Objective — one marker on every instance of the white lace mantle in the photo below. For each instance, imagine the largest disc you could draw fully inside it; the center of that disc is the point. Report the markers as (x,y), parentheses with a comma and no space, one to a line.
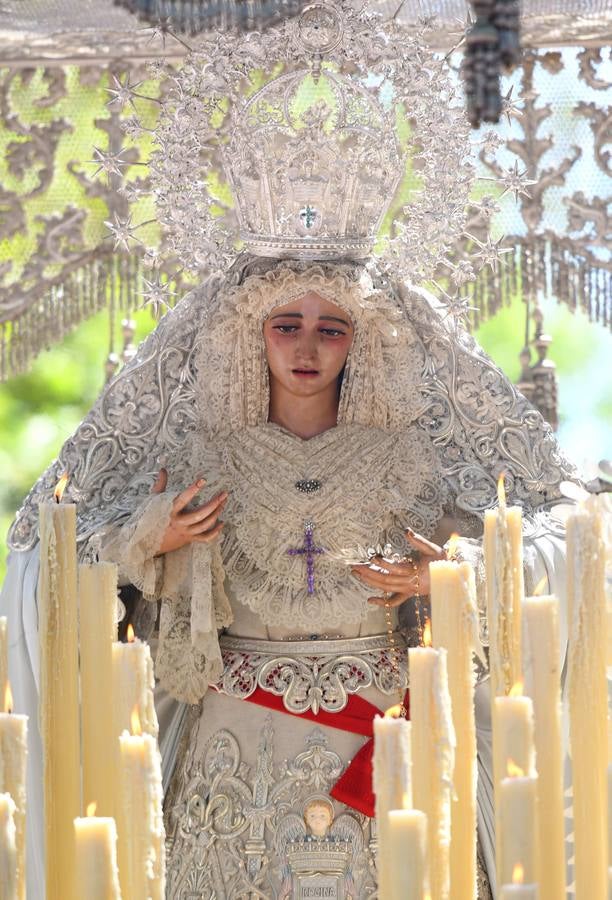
(372,484)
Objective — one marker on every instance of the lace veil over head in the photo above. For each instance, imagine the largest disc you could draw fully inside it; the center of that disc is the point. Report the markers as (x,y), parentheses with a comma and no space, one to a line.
(203,371)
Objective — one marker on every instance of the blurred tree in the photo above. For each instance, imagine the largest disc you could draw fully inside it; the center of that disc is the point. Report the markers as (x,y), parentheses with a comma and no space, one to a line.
(38,411)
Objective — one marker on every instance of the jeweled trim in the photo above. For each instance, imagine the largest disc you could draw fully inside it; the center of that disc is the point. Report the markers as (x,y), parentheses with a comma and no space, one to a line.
(311,674)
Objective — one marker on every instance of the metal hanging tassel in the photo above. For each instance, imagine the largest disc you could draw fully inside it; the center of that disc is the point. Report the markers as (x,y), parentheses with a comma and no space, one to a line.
(492,44)
(194,16)
(112,360)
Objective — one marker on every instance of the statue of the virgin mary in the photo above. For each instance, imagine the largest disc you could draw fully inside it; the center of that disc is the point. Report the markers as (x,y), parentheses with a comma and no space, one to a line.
(290,448)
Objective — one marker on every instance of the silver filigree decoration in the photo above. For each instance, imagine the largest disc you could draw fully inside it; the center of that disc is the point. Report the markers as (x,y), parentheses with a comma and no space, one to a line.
(287,158)
(315,677)
(238,830)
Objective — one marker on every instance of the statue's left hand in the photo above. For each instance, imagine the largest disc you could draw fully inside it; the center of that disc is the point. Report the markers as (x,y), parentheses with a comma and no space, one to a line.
(400,580)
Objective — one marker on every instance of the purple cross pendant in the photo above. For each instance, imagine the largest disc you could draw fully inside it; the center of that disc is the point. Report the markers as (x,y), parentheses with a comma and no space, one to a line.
(309,551)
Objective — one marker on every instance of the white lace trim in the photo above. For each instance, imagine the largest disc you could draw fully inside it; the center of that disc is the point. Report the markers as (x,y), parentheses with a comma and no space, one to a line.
(373,484)
(188,655)
(384,369)
(134,544)
(189,583)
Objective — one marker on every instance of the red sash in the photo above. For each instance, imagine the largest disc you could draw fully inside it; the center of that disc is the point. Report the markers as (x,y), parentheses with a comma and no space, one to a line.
(354,787)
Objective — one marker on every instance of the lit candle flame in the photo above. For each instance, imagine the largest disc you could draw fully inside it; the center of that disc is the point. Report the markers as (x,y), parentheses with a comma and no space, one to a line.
(514,771)
(427,641)
(91,809)
(540,586)
(516,690)
(131,637)
(136,726)
(8,699)
(501,489)
(453,544)
(60,487)
(394,712)
(518,874)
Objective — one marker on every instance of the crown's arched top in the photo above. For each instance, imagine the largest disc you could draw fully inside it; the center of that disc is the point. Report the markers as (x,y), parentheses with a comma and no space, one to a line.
(308,169)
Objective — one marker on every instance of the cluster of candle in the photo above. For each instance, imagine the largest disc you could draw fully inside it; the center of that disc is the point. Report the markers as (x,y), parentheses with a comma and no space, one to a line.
(433,819)
(99,737)
(427,814)
(98,719)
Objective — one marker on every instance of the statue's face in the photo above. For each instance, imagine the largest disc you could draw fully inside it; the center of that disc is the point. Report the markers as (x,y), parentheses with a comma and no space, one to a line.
(307,343)
(318,819)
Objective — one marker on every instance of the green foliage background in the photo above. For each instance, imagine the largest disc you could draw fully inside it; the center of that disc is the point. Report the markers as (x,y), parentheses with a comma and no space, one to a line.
(40,410)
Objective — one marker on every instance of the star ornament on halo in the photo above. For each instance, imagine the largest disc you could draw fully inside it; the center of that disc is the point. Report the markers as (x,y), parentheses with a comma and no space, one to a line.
(156,296)
(457,309)
(122,230)
(515,182)
(123,93)
(490,252)
(108,162)
(162,29)
(510,107)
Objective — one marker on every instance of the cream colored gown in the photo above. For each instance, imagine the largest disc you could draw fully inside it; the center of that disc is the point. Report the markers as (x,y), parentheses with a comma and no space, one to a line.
(240,776)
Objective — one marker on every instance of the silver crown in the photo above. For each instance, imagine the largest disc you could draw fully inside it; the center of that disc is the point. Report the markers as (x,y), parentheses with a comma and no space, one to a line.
(331,135)
(313,165)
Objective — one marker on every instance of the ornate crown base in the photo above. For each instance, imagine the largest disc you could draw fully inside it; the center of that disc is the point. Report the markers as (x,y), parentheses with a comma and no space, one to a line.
(318,248)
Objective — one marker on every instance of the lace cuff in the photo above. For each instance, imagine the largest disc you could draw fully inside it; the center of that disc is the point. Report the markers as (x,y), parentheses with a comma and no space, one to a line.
(133,545)
(188,654)
(190,584)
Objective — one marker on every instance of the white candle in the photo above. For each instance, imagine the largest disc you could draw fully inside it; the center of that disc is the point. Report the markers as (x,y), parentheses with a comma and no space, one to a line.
(513,730)
(4,676)
(392,788)
(133,685)
(503,555)
(542,660)
(453,620)
(609,813)
(141,828)
(408,847)
(588,697)
(13,758)
(433,745)
(512,741)
(97,631)
(8,849)
(518,835)
(97,877)
(60,725)
(519,892)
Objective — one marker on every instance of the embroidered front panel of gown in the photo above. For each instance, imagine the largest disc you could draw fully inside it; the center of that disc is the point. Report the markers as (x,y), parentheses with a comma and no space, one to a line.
(299,511)
(237,812)
(266,830)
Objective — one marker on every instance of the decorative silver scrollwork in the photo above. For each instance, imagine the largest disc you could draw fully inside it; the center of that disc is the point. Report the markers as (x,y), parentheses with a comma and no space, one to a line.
(238,831)
(309,675)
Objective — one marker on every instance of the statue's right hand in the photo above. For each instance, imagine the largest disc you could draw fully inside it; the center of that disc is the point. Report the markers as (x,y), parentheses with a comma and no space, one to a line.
(194,526)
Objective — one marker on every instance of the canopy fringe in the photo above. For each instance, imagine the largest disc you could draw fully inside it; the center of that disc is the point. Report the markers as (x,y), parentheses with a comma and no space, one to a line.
(111,282)
(544,266)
